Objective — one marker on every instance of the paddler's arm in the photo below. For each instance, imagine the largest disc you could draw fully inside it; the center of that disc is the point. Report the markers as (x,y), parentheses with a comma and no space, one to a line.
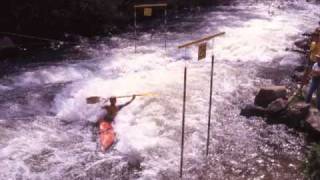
(104,107)
(127,103)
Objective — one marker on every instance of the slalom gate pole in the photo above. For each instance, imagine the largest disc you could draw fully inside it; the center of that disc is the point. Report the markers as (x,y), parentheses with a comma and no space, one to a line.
(210,104)
(183,119)
(135,29)
(165,27)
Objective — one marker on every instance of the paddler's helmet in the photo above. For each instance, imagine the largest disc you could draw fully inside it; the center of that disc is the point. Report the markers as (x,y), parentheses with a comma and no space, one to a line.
(113,100)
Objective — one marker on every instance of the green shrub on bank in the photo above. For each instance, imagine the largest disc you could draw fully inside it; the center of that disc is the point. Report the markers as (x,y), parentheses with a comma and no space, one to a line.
(312,169)
(51,18)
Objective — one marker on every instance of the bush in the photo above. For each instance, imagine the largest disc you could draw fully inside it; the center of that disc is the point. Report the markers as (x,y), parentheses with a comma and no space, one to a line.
(53,18)
(47,17)
(313,164)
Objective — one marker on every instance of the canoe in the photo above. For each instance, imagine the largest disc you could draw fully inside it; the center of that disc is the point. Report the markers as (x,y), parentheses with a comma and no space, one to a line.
(106,135)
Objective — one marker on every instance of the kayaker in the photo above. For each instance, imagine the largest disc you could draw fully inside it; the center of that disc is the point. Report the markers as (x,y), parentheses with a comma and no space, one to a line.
(315,47)
(312,53)
(113,108)
(315,82)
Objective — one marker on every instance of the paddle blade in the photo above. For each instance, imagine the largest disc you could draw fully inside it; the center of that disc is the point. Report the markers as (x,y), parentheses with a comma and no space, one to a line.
(93,100)
(148,94)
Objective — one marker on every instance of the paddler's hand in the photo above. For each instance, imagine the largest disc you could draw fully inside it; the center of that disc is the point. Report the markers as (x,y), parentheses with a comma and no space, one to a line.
(133,97)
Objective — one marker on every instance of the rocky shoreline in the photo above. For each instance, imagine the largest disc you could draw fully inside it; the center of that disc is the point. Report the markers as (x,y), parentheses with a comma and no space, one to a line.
(285,104)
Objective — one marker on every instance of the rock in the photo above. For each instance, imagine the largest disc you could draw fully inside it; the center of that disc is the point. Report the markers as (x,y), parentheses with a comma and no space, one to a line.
(5,43)
(252,110)
(7,48)
(72,38)
(314,119)
(297,76)
(303,43)
(298,111)
(276,107)
(269,94)
(294,116)
(300,68)
(312,166)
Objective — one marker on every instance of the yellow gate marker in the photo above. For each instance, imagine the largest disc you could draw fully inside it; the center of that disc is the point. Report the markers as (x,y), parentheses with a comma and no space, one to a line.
(147,12)
(202,51)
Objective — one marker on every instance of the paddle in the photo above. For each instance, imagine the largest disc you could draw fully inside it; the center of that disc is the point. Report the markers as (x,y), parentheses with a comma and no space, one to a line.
(143,94)
(97,99)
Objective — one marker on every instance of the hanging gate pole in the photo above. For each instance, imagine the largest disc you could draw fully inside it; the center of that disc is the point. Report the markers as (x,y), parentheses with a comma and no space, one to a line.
(183,119)
(192,43)
(165,29)
(210,104)
(145,6)
(135,29)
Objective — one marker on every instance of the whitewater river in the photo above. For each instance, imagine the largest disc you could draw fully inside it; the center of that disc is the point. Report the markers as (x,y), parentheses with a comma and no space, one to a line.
(46,129)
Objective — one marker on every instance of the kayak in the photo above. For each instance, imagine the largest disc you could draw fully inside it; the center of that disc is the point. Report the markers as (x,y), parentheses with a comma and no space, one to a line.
(106,135)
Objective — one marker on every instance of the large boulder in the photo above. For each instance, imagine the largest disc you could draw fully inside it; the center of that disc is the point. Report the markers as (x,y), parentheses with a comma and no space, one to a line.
(300,68)
(7,48)
(5,43)
(298,110)
(252,110)
(314,119)
(302,43)
(268,94)
(276,107)
(297,76)
(294,115)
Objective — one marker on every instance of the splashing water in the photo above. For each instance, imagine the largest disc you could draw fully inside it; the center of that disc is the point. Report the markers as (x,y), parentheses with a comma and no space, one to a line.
(45,123)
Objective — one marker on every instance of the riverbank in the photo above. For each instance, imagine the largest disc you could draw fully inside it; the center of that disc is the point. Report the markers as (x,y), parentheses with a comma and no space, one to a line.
(312,165)
(284,103)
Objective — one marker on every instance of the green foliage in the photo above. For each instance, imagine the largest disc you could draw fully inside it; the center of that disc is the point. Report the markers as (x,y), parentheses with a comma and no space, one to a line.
(312,166)
(85,17)
(50,18)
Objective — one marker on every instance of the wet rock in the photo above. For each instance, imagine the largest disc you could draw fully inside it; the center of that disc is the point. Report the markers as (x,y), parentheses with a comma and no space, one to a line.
(303,43)
(7,48)
(300,68)
(73,38)
(40,162)
(269,94)
(314,119)
(297,76)
(134,162)
(312,166)
(252,110)
(294,116)
(5,43)
(298,110)
(276,107)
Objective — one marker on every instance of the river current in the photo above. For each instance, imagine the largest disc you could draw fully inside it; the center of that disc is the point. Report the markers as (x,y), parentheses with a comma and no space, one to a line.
(46,129)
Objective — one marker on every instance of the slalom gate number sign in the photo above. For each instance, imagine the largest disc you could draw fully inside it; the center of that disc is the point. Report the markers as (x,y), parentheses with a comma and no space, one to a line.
(147,12)
(202,51)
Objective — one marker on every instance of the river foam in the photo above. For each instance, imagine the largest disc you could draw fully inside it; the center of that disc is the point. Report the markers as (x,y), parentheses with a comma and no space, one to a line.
(62,143)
